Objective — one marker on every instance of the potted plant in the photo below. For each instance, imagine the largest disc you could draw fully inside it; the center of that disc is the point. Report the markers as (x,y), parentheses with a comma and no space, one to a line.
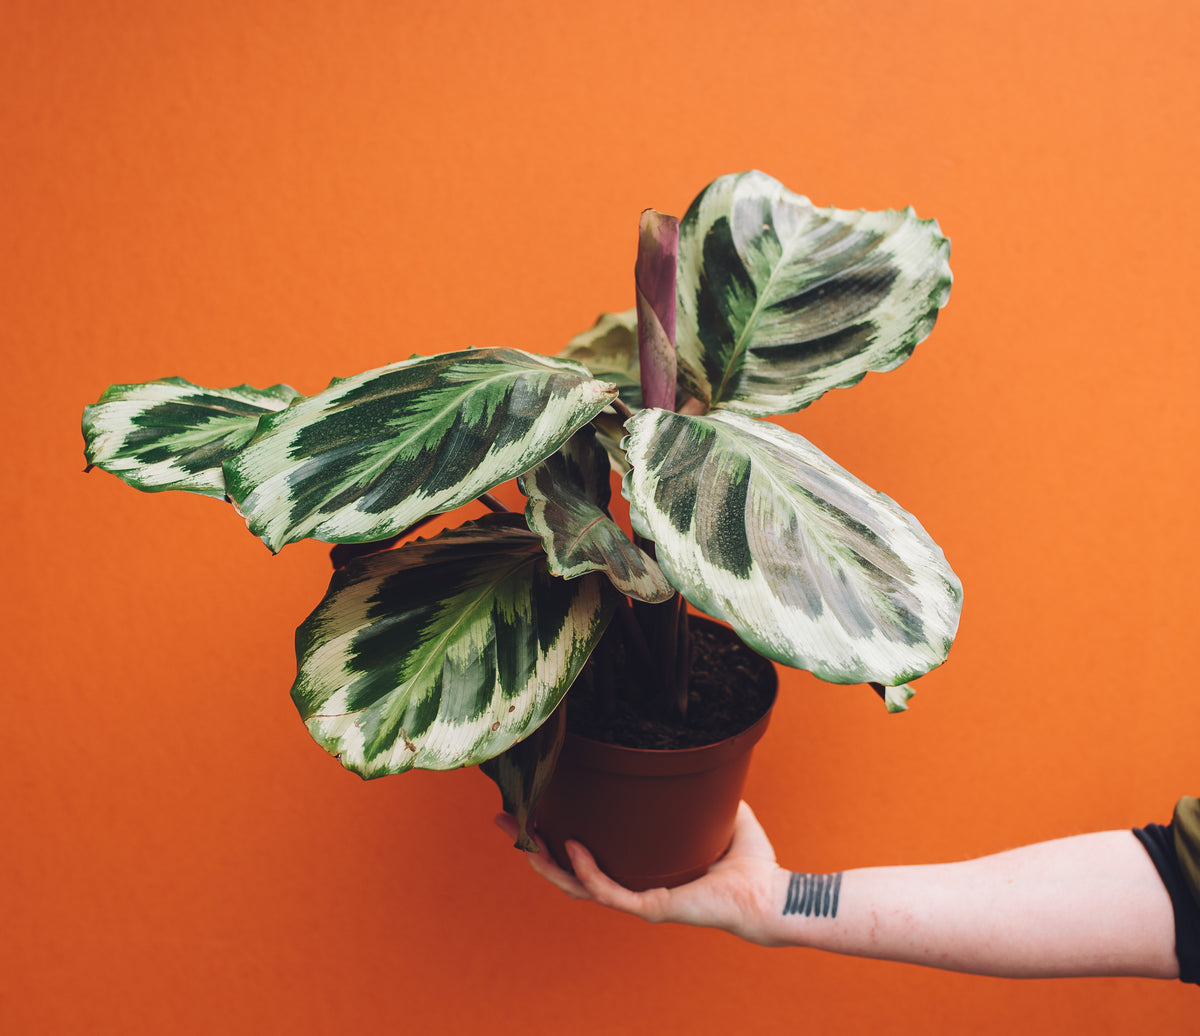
(455,650)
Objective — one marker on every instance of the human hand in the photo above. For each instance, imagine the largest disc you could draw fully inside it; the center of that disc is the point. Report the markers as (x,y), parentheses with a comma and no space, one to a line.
(738,894)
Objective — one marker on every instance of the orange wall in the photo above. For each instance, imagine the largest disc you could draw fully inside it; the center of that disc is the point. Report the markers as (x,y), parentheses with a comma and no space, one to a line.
(268,191)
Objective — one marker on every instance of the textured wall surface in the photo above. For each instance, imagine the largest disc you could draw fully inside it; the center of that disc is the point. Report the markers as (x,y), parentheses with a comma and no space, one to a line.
(282,191)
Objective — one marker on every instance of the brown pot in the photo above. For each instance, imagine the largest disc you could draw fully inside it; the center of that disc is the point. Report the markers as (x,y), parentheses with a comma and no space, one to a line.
(651,818)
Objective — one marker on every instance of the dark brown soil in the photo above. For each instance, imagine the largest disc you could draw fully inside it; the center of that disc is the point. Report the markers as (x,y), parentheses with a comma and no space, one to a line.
(729,689)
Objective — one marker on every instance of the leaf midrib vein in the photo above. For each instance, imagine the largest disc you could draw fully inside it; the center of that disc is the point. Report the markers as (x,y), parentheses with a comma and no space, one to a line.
(434,650)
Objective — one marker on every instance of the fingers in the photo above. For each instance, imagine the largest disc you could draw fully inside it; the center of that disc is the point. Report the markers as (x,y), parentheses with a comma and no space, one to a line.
(543,863)
(588,881)
(507,824)
(648,905)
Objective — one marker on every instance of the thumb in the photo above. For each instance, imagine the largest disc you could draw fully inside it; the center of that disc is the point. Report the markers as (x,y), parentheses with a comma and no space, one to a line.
(749,838)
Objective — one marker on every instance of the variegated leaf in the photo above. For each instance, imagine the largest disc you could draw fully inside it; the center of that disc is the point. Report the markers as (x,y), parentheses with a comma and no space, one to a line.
(811,567)
(523,771)
(171,434)
(781,301)
(568,507)
(376,452)
(609,349)
(444,652)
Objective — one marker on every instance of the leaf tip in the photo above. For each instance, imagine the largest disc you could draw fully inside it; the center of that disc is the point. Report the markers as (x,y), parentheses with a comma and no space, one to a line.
(896,698)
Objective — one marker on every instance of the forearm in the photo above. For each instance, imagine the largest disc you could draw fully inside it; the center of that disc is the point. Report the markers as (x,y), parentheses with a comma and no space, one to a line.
(1089,905)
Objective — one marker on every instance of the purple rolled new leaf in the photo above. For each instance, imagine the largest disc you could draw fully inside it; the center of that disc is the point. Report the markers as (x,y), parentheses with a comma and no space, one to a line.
(654,276)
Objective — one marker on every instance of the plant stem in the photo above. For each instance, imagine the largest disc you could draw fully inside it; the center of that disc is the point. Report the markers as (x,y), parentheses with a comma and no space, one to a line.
(635,642)
(623,411)
(604,677)
(343,553)
(658,628)
(668,646)
(683,657)
(492,504)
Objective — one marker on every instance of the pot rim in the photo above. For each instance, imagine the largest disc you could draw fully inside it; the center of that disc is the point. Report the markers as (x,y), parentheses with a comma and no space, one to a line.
(601,755)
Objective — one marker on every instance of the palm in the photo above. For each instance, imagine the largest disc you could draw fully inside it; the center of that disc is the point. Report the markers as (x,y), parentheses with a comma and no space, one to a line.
(729,896)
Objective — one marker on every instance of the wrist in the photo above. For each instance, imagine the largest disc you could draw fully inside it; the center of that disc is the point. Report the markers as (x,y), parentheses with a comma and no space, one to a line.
(803,908)
(757,915)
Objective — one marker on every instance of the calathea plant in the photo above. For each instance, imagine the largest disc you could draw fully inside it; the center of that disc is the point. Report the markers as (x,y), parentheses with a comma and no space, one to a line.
(454,650)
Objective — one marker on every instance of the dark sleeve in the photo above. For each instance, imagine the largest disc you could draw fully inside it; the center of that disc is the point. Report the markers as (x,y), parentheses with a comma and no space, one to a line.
(1187,842)
(1159,842)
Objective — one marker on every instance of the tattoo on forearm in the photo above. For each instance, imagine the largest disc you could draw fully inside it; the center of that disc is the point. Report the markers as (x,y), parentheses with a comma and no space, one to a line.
(813,895)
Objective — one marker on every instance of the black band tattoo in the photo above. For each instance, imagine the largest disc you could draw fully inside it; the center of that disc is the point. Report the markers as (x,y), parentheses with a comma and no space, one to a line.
(813,895)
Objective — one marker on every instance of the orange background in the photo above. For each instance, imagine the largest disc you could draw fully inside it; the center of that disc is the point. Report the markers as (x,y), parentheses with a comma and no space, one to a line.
(285,191)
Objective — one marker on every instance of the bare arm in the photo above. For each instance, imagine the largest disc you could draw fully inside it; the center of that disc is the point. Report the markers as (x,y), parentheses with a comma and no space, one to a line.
(1087,905)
